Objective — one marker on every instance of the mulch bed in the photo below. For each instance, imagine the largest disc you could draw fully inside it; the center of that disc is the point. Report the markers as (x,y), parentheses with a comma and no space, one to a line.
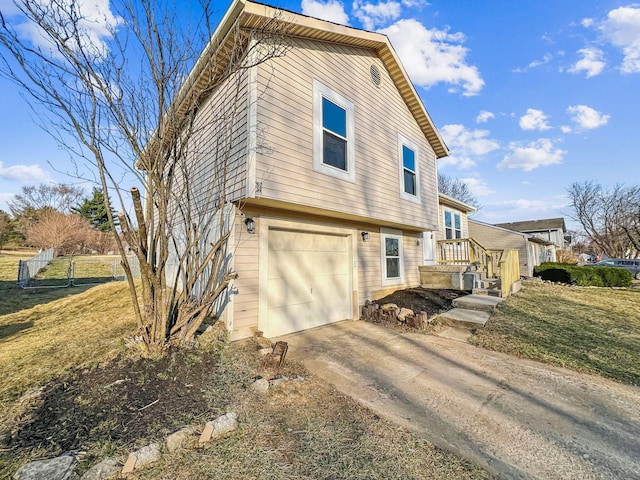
(124,403)
(432,301)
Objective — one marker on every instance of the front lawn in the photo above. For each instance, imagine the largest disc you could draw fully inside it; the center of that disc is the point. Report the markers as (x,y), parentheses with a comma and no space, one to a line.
(594,330)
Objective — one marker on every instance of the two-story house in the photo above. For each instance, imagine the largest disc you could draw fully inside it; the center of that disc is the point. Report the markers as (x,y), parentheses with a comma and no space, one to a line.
(551,230)
(333,180)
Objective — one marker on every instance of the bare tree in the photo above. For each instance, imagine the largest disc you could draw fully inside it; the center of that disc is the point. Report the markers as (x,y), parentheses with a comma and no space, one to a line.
(67,233)
(457,189)
(128,86)
(60,197)
(610,218)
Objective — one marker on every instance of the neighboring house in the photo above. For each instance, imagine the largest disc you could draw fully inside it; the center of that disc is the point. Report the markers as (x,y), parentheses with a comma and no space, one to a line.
(334,183)
(532,251)
(551,230)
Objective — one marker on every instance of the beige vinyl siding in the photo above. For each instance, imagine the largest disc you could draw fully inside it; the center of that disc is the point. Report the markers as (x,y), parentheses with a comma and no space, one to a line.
(218,147)
(284,163)
(495,238)
(246,264)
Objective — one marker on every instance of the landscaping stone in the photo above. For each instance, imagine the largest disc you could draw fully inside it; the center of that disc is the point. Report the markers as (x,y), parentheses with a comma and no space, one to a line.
(224,424)
(387,307)
(178,439)
(404,312)
(145,456)
(106,469)
(260,385)
(59,468)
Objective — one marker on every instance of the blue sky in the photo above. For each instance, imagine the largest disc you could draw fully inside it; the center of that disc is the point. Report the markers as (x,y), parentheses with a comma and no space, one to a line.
(530,96)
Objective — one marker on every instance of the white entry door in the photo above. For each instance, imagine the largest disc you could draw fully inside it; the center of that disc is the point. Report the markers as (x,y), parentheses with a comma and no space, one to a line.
(309,281)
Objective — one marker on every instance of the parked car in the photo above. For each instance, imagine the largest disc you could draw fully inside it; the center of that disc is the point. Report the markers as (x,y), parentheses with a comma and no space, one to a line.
(632,265)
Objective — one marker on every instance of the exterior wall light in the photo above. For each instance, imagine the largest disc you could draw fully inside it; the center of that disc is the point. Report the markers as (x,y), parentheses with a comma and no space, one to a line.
(365,236)
(251,225)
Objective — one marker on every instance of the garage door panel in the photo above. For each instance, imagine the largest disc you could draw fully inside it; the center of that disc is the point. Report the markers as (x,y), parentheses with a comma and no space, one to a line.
(283,292)
(309,281)
(289,319)
(329,263)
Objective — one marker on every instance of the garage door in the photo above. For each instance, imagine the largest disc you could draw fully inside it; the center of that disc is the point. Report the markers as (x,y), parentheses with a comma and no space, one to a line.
(309,281)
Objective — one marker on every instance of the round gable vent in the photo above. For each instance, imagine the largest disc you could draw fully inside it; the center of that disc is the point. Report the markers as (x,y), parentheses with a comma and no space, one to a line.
(376,78)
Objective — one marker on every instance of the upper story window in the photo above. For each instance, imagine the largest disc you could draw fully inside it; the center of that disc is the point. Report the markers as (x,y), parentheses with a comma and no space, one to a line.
(408,163)
(452,225)
(333,142)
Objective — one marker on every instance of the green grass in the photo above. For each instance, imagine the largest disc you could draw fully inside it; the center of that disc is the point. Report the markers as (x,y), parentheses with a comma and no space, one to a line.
(594,330)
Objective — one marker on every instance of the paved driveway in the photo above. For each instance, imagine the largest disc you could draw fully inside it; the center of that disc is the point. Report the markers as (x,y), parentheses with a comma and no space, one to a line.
(516,418)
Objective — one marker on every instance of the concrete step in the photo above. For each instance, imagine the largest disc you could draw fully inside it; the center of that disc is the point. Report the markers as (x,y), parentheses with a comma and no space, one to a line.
(484,303)
(487,292)
(461,317)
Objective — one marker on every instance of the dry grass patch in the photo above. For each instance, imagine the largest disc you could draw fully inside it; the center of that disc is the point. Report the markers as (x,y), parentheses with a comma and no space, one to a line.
(594,330)
(46,340)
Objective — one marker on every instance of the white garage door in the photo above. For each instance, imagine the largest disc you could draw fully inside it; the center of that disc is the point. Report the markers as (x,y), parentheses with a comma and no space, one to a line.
(309,281)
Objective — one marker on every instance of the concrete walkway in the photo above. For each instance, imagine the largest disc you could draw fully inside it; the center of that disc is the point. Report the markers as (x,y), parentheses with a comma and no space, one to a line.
(516,418)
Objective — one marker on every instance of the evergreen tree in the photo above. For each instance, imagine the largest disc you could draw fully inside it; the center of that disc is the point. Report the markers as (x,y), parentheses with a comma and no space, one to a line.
(94,211)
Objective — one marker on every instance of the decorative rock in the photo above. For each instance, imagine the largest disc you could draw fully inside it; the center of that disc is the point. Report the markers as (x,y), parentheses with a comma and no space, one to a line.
(402,316)
(387,307)
(106,469)
(260,385)
(224,424)
(59,468)
(144,456)
(177,439)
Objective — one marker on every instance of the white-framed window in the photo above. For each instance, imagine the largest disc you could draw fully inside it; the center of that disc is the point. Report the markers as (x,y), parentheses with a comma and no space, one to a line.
(391,256)
(452,225)
(333,133)
(408,161)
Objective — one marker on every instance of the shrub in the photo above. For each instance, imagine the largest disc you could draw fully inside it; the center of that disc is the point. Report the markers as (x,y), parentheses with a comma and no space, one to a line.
(584,276)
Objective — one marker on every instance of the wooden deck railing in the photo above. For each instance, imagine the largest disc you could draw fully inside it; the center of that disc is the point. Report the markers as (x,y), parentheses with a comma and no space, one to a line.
(495,263)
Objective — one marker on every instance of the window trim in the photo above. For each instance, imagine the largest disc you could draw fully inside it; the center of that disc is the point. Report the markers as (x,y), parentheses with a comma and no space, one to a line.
(397,234)
(321,91)
(405,142)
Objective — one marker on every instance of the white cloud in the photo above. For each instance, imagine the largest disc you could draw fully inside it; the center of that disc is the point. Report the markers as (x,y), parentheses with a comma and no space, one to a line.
(464,145)
(478,186)
(24,174)
(539,153)
(545,59)
(586,22)
(622,29)
(566,129)
(521,208)
(433,56)
(372,15)
(587,118)
(534,120)
(484,116)
(332,10)
(592,62)
(96,24)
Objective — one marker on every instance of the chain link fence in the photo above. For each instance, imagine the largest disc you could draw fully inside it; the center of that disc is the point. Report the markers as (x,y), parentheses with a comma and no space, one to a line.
(76,271)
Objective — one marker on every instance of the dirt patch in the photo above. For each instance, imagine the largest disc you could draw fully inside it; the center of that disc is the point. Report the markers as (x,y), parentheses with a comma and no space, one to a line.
(432,301)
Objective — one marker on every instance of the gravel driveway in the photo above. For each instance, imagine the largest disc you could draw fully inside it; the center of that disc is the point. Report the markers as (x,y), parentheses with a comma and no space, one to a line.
(516,418)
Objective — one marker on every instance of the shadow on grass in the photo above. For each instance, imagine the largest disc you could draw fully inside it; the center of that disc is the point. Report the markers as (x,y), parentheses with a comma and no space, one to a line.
(13,328)
(14,299)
